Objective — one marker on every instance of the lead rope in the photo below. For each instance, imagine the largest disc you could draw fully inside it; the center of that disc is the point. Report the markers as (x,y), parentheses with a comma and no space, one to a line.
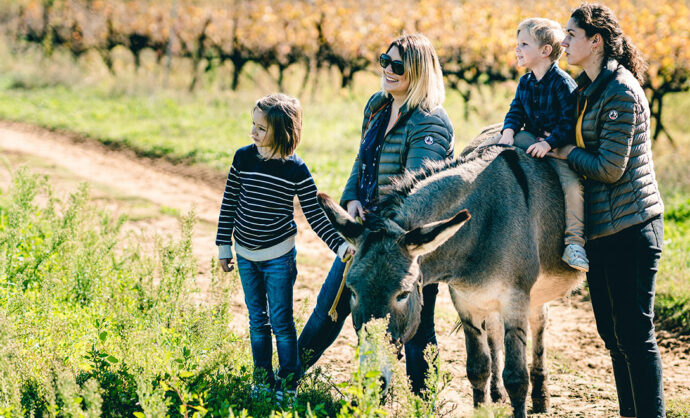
(333,313)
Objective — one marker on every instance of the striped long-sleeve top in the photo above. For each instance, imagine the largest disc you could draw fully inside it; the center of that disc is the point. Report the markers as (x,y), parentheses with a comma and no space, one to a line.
(258,209)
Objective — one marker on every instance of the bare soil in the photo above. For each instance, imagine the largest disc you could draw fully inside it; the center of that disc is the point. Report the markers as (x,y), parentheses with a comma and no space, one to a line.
(154,193)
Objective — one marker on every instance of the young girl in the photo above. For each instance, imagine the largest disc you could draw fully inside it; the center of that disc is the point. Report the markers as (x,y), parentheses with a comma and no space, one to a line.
(258,209)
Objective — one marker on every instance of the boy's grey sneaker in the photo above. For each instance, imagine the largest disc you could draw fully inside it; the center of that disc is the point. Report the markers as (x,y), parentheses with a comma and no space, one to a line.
(576,257)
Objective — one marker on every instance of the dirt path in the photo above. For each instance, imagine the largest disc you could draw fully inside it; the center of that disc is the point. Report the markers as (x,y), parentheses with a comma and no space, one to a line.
(154,193)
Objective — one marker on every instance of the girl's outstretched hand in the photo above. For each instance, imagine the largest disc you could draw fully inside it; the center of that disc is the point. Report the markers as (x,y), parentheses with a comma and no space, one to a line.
(355,209)
(227,264)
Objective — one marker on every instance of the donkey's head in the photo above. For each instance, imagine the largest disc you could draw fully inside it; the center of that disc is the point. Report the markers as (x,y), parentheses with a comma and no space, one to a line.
(385,277)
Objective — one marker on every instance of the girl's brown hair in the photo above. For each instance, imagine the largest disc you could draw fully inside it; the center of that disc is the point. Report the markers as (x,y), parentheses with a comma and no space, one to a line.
(597,18)
(284,120)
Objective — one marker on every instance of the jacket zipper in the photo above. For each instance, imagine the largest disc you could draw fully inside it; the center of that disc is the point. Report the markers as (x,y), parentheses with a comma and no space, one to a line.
(385,134)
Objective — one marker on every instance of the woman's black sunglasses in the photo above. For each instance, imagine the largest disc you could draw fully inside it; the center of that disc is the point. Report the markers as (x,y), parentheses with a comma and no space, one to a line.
(397,66)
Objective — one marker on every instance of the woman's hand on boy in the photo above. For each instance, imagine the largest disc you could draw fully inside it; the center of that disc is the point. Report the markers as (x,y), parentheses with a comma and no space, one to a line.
(227,264)
(539,149)
(562,152)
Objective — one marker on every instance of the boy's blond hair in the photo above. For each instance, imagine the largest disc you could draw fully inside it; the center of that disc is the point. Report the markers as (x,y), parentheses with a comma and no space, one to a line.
(284,120)
(546,32)
(426,89)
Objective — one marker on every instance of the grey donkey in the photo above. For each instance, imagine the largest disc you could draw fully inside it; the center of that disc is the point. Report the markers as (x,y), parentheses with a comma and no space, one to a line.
(490,225)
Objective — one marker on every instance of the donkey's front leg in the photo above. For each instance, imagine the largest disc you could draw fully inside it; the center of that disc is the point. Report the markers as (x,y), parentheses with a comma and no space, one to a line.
(515,375)
(478,359)
(538,375)
(495,333)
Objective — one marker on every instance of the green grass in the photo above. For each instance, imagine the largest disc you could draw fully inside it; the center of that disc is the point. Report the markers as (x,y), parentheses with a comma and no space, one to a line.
(672,166)
(192,130)
(207,126)
(92,326)
(677,408)
(200,128)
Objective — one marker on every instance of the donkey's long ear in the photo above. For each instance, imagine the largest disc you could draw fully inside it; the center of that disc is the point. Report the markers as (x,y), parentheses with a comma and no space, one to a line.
(427,238)
(340,219)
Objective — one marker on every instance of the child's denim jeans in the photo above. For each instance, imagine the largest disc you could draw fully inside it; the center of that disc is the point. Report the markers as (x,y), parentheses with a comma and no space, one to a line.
(267,289)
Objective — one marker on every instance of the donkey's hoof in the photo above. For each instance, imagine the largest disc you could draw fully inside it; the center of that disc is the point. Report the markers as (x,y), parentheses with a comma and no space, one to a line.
(498,395)
(541,404)
(519,412)
(479,397)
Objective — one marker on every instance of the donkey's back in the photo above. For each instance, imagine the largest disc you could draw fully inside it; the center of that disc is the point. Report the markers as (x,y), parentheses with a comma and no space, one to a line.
(515,236)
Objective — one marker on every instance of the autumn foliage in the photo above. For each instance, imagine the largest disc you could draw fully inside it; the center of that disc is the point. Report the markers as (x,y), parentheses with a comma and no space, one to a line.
(474,39)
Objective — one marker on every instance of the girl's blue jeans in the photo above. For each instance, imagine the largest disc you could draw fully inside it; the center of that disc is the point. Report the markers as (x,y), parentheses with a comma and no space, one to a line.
(621,278)
(267,289)
(320,331)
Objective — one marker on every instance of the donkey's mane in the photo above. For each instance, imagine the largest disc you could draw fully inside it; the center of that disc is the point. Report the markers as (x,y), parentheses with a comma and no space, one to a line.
(377,225)
(395,194)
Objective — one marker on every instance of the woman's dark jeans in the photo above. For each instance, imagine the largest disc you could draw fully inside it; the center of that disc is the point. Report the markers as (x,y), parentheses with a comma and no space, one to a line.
(320,331)
(267,289)
(621,278)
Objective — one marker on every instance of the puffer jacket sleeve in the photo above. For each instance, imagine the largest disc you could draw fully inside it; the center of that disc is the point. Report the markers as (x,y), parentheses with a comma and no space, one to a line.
(607,164)
(430,139)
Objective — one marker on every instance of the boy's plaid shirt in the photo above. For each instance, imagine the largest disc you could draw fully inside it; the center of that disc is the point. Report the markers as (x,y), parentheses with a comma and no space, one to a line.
(546,105)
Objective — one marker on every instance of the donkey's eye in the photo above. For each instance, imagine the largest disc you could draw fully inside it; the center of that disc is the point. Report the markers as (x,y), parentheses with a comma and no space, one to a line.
(402,296)
(353,296)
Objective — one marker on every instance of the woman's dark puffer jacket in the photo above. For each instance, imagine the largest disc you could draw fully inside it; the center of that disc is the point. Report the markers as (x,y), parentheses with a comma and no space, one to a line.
(620,184)
(416,137)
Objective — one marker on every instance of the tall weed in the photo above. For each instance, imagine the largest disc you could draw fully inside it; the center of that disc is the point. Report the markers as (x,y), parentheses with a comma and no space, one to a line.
(91,324)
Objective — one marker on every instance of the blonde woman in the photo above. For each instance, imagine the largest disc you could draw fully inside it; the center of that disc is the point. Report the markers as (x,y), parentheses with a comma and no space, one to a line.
(404,125)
